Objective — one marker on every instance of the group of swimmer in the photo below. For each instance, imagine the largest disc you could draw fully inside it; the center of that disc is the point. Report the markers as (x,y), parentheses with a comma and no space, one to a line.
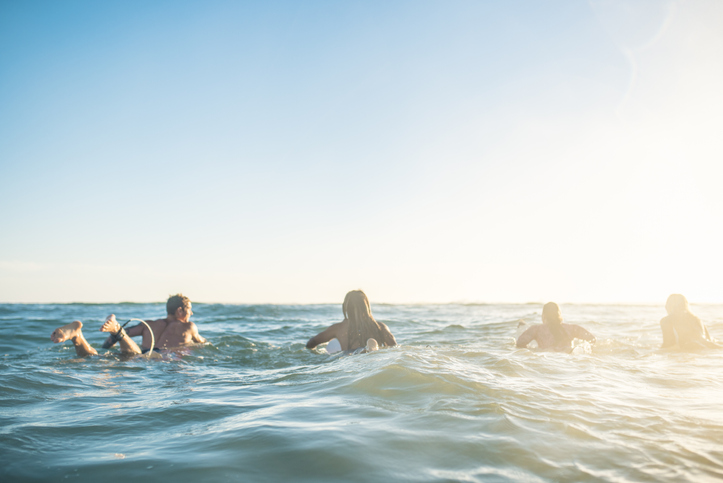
(681,329)
(361,332)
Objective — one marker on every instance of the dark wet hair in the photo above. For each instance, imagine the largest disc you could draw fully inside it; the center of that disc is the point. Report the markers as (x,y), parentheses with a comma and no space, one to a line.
(362,325)
(175,302)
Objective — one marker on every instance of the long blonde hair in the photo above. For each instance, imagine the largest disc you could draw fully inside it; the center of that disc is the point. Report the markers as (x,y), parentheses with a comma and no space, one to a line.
(552,318)
(677,304)
(678,307)
(362,325)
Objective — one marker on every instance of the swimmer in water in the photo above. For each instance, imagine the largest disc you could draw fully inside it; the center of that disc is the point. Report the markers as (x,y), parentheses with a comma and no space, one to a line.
(683,328)
(552,334)
(359,329)
(73,332)
(174,331)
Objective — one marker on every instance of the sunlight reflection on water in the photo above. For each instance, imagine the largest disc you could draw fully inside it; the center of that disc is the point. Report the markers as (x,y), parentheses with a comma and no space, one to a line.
(455,401)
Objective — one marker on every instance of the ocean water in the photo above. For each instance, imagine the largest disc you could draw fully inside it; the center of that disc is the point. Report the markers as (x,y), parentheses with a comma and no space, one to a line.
(456,401)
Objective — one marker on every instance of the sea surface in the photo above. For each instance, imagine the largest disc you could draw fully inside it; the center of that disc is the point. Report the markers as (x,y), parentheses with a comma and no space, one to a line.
(455,401)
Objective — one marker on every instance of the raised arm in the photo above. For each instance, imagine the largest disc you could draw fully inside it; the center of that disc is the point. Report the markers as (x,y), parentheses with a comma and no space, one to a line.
(324,336)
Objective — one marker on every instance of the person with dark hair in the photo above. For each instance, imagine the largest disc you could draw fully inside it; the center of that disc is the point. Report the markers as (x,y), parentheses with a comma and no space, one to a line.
(682,328)
(552,334)
(358,330)
(174,331)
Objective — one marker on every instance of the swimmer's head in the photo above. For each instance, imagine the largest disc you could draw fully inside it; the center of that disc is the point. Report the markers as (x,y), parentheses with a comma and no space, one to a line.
(676,304)
(362,325)
(176,302)
(551,313)
(552,318)
(356,306)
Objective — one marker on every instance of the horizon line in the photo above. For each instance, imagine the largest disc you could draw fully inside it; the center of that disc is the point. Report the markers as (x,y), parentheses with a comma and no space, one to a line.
(458,302)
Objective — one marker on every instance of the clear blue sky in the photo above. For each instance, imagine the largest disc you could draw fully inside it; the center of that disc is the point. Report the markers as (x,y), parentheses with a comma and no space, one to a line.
(422,151)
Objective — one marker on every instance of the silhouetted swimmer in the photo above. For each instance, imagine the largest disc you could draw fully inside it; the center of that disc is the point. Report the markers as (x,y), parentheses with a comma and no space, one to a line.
(359,329)
(552,334)
(682,328)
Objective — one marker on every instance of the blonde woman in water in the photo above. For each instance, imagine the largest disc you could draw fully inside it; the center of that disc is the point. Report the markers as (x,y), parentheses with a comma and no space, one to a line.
(683,328)
(359,329)
(552,334)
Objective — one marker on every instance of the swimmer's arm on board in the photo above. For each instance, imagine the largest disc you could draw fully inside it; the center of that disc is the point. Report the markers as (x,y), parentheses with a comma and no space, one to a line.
(526,337)
(387,336)
(325,336)
(584,334)
(710,341)
(196,337)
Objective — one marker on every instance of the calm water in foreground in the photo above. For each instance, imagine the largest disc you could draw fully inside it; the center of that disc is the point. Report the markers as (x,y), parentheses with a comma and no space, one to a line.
(454,402)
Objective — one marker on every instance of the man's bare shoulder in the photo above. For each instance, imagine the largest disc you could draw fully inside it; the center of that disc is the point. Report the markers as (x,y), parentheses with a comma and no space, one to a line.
(182,327)
(158,322)
(177,324)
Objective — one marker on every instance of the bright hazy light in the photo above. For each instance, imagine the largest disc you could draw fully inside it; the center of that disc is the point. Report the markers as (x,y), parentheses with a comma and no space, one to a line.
(424,152)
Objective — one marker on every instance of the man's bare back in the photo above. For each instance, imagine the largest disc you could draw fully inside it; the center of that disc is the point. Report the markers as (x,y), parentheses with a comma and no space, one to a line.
(179,333)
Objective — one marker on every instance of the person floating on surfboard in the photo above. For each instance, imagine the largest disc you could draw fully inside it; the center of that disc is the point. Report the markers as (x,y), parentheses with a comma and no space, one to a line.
(358,330)
(682,328)
(172,332)
(552,334)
